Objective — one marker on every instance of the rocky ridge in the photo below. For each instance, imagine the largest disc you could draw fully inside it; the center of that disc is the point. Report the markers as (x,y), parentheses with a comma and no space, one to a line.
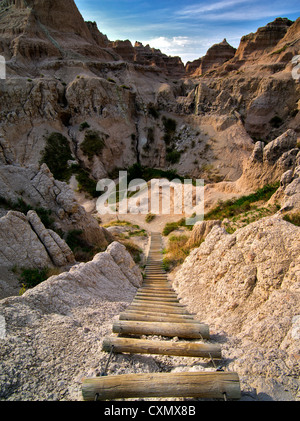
(38,247)
(216,55)
(130,87)
(38,188)
(246,285)
(81,303)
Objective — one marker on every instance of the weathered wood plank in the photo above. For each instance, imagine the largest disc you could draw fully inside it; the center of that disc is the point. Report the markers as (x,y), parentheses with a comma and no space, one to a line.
(159,290)
(182,330)
(207,385)
(161,300)
(145,346)
(157,307)
(153,294)
(159,313)
(146,317)
(143,291)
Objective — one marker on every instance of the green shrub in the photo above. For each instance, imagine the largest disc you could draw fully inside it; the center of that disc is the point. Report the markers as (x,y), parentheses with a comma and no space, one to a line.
(177,251)
(45,217)
(147,174)
(293,218)
(149,218)
(86,183)
(83,126)
(138,233)
(152,110)
(56,155)
(169,128)
(173,157)
(93,143)
(82,250)
(150,136)
(169,227)
(29,278)
(170,125)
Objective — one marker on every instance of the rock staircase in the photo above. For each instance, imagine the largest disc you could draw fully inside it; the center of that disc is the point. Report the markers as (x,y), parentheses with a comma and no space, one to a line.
(156,310)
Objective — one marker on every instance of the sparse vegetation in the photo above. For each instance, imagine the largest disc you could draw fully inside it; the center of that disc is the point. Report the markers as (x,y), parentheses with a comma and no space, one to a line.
(134,230)
(82,250)
(56,155)
(133,249)
(170,126)
(149,218)
(93,143)
(177,251)
(152,110)
(233,207)
(23,207)
(169,227)
(254,214)
(119,223)
(281,50)
(150,135)
(85,182)
(293,218)
(173,157)
(30,278)
(172,226)
(147,174)
(84,126)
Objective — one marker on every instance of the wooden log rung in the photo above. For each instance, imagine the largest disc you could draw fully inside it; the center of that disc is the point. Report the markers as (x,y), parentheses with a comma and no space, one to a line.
(207,385)
(149,300)
(144,346)
(148,304)
(182,330)
(158,313)
(157,308)
(155,289)
(157,295)
(171,318)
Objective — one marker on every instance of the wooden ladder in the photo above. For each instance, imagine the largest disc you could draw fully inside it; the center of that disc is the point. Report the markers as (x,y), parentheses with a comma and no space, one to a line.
(156,310)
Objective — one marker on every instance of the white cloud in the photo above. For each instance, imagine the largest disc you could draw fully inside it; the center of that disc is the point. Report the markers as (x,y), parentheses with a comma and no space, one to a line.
(192,10)
(188,48)
(236,10)
(169,43)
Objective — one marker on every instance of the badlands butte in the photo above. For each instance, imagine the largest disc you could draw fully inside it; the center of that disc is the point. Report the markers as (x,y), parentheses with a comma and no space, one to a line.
(76,107)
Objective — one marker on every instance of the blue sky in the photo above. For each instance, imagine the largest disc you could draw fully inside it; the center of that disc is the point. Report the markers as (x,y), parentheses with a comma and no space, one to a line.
(184,27)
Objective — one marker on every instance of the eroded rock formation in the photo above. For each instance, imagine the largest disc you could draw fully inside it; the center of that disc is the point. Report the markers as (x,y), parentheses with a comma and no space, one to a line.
(247,285)
(37,188)
(63,319)
(25,242)
(216,55)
